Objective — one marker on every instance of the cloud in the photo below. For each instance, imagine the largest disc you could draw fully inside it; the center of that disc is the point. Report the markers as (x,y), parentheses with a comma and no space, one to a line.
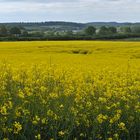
(69,10)
(39,1)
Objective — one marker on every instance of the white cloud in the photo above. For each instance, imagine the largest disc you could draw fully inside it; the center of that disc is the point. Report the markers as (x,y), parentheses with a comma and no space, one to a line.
(70,10)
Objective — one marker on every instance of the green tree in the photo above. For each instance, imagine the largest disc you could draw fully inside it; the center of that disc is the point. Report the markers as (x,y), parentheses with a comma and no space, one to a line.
(112,30)
(125,29)
(103,30)
(90,30)
(3,30)
(136,29)
(25,33)
(15,31)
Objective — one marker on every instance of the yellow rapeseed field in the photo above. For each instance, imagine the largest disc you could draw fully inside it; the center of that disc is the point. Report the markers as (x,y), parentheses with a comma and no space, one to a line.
(74,90)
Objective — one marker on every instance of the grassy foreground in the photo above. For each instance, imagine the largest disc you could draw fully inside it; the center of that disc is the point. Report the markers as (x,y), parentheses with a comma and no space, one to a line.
(82,90)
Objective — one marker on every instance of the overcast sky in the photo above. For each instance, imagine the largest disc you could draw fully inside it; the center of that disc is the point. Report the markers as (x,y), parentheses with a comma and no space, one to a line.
(69,10)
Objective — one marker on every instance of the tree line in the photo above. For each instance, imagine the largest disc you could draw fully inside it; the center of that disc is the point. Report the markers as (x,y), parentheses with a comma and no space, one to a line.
(12,31)
(103,30)
(88,33)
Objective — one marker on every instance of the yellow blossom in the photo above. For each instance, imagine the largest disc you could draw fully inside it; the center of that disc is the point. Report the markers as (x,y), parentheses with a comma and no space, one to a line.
(38,137)
(61,133)
(122,126)
(17,127)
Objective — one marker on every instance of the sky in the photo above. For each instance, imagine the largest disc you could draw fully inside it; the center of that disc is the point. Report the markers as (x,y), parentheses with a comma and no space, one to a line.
(69,10)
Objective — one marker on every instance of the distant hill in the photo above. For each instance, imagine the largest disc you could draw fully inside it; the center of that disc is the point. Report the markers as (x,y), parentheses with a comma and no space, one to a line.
(108,24)
(62,26)
(49,25)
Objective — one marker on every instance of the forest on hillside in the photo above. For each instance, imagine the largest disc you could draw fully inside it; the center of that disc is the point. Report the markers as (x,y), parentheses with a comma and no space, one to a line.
(69,31)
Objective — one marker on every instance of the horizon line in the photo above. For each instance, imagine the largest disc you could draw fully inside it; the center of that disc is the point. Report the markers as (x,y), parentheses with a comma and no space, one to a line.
(70,22)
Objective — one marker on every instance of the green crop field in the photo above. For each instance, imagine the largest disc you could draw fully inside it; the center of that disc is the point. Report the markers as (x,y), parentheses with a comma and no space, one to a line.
(70,90)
